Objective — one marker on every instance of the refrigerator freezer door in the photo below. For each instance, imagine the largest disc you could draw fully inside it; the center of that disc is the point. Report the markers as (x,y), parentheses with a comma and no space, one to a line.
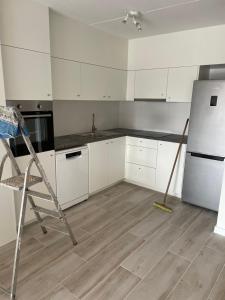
(202,181)
(207,119)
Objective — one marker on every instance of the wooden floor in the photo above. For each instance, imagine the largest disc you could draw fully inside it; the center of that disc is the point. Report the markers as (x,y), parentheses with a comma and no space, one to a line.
(127,250)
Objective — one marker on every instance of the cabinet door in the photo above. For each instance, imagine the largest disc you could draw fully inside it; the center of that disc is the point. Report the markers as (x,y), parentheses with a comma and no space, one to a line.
(141,156)
(98,166)
(27,74)
(7,207)
(151,84)
(116,164)
(180,83)
(130,85)
(66,79)
(48,162)
(94,82)
(140,175)
(166,155)
(24,24)
(117,85)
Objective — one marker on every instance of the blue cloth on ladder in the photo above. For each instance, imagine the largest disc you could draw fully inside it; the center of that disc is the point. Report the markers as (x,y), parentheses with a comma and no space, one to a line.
(10,123)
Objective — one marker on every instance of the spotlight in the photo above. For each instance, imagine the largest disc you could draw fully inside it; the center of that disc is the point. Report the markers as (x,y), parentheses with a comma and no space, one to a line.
(135,17)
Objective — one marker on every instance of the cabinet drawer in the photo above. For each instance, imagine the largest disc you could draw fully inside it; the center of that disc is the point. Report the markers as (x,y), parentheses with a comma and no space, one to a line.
(141,156)
(140,174)
(133,141)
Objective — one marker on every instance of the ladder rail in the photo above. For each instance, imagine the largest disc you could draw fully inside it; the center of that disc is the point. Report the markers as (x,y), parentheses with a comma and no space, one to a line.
(20,232)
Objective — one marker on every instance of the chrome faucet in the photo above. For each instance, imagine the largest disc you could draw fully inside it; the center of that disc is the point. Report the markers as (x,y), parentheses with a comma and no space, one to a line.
(93,129)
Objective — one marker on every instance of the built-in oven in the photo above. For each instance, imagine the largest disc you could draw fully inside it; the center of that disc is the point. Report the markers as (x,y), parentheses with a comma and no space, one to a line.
(38,116)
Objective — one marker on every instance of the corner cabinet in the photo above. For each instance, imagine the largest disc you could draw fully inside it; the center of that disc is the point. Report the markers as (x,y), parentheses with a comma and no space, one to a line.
(66,79)
(106,163)
(180,83)
(101,83)
(27,74)
(150,84)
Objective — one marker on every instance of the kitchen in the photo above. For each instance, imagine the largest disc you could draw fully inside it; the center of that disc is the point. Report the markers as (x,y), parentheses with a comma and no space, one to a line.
(106,112)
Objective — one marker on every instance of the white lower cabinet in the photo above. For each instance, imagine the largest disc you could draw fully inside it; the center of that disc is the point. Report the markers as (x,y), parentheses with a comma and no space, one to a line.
(166,155)
(141,161)
(141,156)
(106,163)
(48,162)
(142,175)
(150,166)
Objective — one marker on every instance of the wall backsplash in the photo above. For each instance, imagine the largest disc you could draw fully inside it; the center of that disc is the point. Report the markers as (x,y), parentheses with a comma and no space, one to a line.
(76,116)
(156,116)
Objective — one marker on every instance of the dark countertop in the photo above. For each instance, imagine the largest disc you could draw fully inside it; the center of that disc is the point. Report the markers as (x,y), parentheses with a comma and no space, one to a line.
(77,140)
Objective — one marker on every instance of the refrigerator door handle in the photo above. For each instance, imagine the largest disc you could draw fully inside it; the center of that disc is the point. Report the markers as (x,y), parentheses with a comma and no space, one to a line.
(206,156)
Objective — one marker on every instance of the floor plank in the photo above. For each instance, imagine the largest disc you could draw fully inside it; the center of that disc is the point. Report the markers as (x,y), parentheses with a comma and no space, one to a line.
(59,294)
(116,286)
(150,253)
(91,246)
(49,276)
(218,292)
(200,277)
(196,236)
(158,283)
(93,272)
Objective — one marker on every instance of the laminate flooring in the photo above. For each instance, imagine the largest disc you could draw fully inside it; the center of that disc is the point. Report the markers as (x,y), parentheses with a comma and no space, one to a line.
(127,249)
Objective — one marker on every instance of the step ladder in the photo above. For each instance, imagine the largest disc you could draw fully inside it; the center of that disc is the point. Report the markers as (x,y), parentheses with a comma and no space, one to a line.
(11,125)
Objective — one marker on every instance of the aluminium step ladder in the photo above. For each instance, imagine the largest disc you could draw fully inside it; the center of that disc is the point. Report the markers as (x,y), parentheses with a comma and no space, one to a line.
(11,125)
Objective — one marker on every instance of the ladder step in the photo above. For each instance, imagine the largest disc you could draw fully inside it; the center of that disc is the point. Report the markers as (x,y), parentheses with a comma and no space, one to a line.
(17,182)
(40,195)
(46,211)
(5,291)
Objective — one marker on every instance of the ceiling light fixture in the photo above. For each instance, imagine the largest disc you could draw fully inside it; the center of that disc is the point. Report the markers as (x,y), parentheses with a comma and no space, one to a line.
(135,18)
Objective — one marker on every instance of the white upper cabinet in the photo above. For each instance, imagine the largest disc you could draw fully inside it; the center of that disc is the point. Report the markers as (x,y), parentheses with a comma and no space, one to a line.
(151,84)
(66,79)
(180,83)
(27,74)
(130,85)
(94,82)
(117,83)
(24,24)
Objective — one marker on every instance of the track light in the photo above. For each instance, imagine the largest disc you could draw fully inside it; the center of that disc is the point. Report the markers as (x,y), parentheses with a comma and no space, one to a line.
(135,18)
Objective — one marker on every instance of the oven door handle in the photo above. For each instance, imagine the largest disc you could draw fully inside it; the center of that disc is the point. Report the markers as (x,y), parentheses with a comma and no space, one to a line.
(36,116)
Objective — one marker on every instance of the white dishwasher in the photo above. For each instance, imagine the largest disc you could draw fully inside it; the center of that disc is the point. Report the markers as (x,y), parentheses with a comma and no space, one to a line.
(72,176)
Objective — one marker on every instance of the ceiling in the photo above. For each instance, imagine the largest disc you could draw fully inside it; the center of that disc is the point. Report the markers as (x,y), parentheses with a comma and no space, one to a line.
(158,16)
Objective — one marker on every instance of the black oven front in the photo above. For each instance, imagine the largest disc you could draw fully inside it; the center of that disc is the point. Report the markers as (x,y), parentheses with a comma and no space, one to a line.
(38,116)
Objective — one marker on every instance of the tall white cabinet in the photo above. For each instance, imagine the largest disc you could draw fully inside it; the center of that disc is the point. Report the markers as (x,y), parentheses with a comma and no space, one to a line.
(25,43)
(7,208)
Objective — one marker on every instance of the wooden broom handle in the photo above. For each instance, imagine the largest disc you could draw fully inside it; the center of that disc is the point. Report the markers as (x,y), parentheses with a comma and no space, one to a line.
(175,161)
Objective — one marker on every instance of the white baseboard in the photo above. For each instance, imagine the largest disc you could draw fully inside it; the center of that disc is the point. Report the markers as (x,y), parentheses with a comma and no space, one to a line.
(219,230)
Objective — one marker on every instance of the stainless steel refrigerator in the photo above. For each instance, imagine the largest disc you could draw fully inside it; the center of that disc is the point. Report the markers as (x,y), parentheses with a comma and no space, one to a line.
(204,165)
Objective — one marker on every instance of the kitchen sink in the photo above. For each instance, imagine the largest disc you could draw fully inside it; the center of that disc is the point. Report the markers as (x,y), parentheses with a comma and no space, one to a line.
(99,134)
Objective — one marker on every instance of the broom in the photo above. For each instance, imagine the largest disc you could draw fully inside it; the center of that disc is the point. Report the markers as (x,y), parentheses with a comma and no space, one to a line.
(163,206)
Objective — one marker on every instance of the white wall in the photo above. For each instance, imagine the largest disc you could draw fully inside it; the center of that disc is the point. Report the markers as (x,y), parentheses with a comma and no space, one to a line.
(74,40)
(185,48)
